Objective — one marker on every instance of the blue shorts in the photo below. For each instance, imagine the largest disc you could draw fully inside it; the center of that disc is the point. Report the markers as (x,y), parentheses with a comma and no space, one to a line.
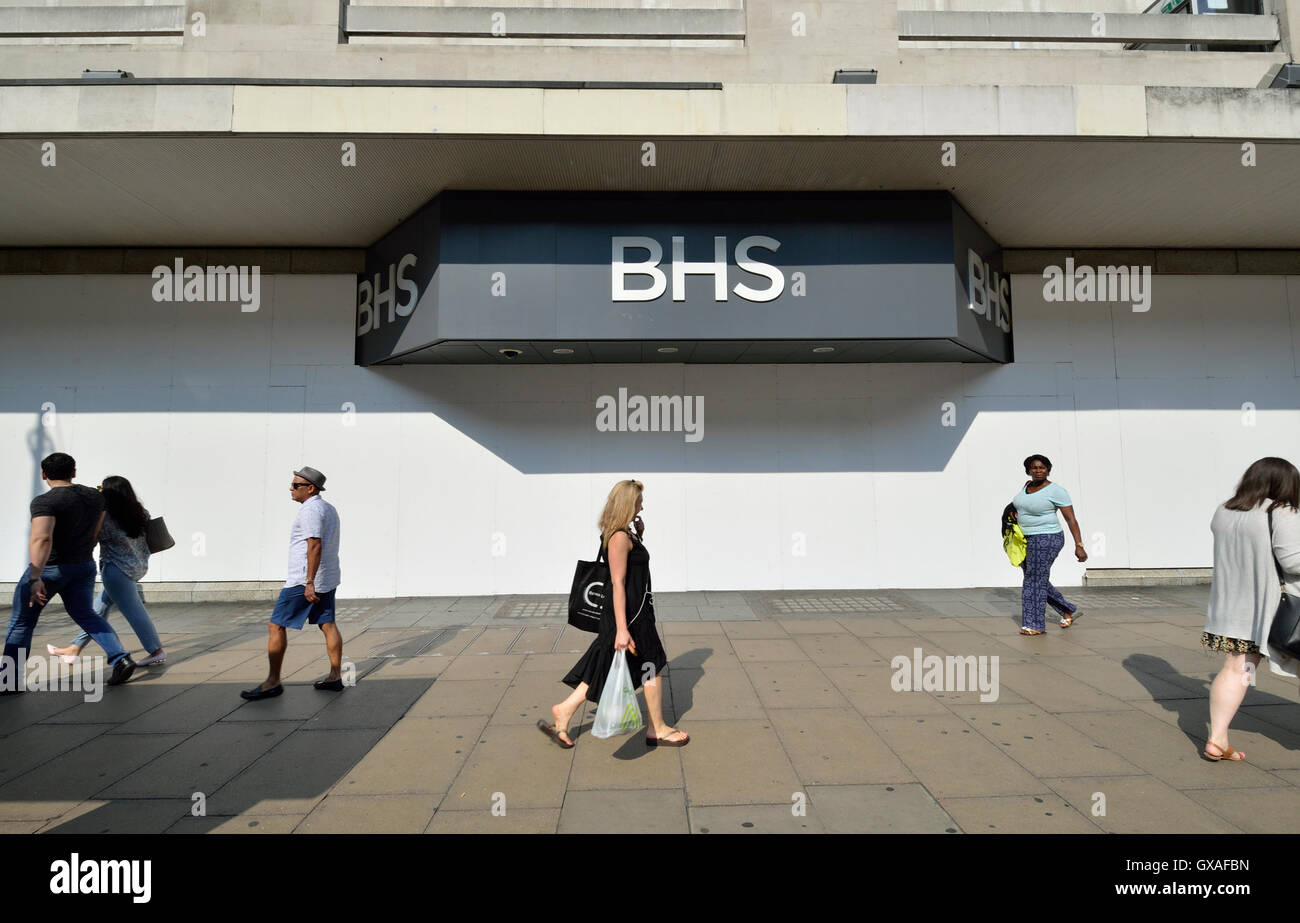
(292,609)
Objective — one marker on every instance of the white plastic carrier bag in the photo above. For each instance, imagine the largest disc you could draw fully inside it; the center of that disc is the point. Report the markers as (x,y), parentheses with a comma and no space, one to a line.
(617,712)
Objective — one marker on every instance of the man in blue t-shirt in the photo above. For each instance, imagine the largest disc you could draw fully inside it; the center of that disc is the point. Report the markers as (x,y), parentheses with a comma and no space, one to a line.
(65,524)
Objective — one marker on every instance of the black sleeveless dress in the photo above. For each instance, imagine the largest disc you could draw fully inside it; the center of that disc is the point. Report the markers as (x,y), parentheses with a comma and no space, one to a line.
(593,667)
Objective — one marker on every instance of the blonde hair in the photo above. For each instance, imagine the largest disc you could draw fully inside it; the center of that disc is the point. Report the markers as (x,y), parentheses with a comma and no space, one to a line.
(620,508)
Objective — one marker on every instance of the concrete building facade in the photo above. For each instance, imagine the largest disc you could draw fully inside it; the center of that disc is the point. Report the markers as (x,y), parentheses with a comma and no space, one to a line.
(290,138)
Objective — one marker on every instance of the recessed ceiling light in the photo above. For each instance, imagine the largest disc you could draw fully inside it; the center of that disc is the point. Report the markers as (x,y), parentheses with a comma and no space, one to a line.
(823,349)
(562,351)
(666,349)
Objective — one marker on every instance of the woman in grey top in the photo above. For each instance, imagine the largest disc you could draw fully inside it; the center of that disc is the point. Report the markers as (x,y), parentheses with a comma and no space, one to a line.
(123,560)
(1244,592)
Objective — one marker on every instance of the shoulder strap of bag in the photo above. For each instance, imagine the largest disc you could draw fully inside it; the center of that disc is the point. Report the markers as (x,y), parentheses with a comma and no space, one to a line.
(1280,578)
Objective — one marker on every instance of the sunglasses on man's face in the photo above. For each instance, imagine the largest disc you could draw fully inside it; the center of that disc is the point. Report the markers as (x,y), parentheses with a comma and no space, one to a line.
(295,485)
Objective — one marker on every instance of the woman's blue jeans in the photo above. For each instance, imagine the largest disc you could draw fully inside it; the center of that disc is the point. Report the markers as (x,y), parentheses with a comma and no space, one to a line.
(121,591)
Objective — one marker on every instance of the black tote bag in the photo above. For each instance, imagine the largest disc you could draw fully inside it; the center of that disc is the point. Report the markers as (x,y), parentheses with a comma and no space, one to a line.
(587,596)
(157,537)
(1285,631)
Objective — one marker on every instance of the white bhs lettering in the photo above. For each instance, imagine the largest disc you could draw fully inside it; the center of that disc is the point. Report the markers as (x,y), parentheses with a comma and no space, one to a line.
(989,291)
(371,296)
(717,267)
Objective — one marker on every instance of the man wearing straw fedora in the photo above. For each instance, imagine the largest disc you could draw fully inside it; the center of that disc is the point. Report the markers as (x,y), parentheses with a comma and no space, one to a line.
(308,594)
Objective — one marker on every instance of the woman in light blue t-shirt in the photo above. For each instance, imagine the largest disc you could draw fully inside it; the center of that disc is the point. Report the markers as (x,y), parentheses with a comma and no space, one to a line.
(1036,506)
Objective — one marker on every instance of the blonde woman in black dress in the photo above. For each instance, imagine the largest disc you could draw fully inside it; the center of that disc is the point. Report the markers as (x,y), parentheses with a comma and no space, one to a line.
(629,626)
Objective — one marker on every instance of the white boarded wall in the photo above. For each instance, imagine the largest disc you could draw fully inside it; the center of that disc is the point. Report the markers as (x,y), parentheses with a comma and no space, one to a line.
(487,480)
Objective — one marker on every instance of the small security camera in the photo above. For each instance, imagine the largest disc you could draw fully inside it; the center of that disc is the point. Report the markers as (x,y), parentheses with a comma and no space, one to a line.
(511,353)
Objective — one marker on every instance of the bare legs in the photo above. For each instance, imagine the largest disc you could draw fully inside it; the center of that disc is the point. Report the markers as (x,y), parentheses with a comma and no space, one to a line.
(1226,694)
(276,643)
(654,700)
(334,647)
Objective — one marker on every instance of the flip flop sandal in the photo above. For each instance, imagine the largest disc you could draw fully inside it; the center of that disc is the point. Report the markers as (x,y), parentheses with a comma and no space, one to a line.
(1068,620)
(1031,631)
(550,731)
(660,742)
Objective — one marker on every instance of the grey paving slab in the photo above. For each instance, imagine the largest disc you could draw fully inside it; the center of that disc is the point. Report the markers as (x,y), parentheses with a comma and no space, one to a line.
(419,755)
(1278,811)
(716,774)
(119,704)
(373,703)
(294,774)
(494,640)
(624,763)
(870,691)
(472,665)
(529,697)
(243,824)
(191,710)
(673,614)
(1265,745)
(753,818)
(80,775)
(685,630)
(202,763)
(1040,742)
(836,746)
(459,697)
(536,641)
(138,815)
(514,820)
(751,631)
(1053,692)
(713,694)
(352,814)
(38,744)
(1045,813)
(874,626)
(646,811)
(518,763)
(1162,751)
(836,650)
(793,685)
(555,665)
(951,760)
(1138,804)
(900,808)
(1113,678)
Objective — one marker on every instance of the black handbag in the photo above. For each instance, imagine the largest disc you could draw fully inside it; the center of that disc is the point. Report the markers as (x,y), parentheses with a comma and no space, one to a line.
(1285,631)
(587,597)
(157,537)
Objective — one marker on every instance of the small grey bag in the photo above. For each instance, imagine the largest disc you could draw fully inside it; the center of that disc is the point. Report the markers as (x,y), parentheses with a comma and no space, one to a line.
(157,536)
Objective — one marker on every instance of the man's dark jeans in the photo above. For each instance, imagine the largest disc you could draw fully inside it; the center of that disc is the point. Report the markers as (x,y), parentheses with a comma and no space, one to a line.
(75,585)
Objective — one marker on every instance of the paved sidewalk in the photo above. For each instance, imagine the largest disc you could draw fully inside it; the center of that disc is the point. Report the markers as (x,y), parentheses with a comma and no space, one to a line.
(787,696)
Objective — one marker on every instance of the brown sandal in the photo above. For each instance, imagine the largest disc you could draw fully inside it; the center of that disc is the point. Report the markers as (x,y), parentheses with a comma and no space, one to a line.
(1225,753)
(1031,631)
(550,731)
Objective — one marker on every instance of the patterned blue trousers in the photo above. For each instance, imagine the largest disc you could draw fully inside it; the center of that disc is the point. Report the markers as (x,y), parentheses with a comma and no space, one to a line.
(1037,592)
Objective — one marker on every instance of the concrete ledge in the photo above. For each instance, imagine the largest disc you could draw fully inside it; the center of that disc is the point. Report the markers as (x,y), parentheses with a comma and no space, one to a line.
(1163,262)
(89,21)
(551,22)
(192,592)
(114,261)
(1171,576)
(1091,28)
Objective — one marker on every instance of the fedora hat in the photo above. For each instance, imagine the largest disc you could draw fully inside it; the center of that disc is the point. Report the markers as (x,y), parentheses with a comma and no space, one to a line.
(311,476)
